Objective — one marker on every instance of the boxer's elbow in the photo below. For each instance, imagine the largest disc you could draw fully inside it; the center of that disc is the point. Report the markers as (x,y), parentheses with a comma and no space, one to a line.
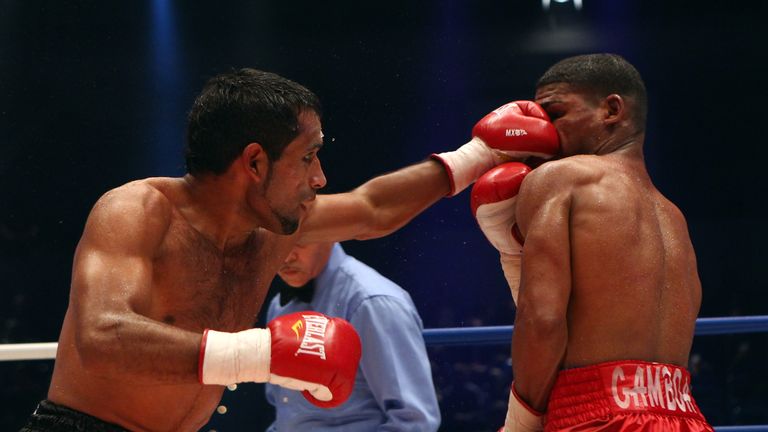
(544,323)
(382,229)
(97,340)
(381,222)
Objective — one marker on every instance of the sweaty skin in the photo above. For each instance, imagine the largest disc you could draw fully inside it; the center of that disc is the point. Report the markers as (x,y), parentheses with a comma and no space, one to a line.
(608,270)
(162,259)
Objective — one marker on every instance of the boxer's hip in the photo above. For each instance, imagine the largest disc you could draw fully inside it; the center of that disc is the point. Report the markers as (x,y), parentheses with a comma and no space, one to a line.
(624,395)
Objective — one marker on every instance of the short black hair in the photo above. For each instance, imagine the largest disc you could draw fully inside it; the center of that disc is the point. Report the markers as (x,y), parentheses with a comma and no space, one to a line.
(241,107)
(602,75)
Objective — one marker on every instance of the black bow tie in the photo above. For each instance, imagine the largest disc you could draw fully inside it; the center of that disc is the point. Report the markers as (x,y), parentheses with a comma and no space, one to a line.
(302,294)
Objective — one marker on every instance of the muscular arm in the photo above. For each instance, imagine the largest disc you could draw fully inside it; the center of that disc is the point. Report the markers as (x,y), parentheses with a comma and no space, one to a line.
(378,207)
(541,334)
(112,292)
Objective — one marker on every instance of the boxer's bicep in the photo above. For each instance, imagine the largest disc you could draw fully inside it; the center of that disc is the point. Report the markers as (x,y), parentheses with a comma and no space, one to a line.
(112,270)
(546,269)
(543,214)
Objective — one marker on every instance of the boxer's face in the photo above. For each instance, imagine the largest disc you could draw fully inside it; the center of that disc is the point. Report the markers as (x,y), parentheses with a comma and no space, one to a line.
(294,179)
(574,115)
(304,263)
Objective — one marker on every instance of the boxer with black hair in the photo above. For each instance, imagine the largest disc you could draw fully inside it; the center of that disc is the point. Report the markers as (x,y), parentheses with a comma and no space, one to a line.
(602,267)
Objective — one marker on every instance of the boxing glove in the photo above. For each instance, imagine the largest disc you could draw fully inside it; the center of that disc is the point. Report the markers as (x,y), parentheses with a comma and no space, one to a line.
(520,416)
(493,200)
(519,129)
(304,351)
(516,130)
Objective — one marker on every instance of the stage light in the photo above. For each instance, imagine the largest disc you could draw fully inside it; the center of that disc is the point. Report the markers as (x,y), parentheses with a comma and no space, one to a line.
(577,4)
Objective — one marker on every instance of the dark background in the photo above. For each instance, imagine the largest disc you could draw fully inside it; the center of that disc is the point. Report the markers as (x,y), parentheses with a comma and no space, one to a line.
(94,94)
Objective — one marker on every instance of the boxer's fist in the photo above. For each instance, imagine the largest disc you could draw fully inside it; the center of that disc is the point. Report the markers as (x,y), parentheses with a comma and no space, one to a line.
(519,129)
(493,204)
(315,354)
(305,351)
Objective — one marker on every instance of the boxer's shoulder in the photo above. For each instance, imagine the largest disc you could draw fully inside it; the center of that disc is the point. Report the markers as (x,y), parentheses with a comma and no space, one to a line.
(141,203)
(550,177)
(562,176)
(149,191)
(578,167)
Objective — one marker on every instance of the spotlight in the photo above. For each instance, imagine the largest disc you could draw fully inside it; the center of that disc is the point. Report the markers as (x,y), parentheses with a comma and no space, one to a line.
(545,4)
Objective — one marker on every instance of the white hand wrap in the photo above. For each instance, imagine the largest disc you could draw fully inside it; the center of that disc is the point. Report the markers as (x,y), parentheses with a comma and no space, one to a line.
(521,417)
(318,391)
(496,220)
(511,264)
(465,164)
(229,358)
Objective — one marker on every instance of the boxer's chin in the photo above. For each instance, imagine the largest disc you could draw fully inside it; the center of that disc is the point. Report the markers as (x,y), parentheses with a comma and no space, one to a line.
(288,225)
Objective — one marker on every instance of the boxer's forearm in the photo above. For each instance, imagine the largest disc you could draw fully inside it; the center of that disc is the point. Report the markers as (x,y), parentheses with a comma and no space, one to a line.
(538,348)
(399,196)
(134,348)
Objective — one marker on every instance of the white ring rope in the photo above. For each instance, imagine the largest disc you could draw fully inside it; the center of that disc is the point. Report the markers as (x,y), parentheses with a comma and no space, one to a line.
(28,351)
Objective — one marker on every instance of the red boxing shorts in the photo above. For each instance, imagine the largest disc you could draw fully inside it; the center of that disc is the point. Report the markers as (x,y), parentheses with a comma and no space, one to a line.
(624,396)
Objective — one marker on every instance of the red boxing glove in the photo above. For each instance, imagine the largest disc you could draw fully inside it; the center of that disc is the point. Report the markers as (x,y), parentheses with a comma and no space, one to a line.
(305,351)
(315,354)
(493,204)
(519,129)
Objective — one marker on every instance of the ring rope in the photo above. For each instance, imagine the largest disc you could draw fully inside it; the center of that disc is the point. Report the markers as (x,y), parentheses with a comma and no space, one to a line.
(755,428)
(489,335)
(503,334)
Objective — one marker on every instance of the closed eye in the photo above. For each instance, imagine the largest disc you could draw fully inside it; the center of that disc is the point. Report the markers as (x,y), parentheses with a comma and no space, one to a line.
(554,115)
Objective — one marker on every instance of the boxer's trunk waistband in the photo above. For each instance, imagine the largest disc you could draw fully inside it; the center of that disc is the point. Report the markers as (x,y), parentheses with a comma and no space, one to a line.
(50,416)
(621,387)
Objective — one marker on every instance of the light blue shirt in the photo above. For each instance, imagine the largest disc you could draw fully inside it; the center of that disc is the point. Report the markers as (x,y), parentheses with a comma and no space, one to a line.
(393,387)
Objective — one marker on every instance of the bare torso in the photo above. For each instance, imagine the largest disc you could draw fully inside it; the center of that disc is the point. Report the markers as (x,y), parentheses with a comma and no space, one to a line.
(195,285)
(635,286)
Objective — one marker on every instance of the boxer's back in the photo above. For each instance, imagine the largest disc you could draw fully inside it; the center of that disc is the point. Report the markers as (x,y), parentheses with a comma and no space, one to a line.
(635,287)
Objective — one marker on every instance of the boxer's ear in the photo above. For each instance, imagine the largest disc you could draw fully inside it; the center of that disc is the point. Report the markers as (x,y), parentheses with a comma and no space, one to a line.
(614,109)
(255,162)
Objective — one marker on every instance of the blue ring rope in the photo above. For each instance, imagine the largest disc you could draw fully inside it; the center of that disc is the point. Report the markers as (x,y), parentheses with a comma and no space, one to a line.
(492,335)
(760,428)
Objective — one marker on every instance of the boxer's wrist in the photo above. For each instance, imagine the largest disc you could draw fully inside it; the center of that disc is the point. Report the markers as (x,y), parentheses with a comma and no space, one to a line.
(465,164)
(228,358)
(520,416)
(511,265)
